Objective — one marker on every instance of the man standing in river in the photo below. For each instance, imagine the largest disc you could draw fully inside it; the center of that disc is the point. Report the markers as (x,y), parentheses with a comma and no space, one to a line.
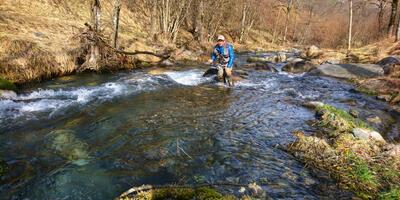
(223,58)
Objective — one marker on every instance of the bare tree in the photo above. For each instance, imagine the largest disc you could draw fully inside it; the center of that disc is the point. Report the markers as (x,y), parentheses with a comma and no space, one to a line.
(198,21)
(392,20)
(93,57)
(350,25)
(96,14)
(173,14)
(117,9)
(288,11)
(153,19)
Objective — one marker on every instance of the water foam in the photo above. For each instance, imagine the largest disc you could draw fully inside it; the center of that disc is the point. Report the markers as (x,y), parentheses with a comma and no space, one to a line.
(189,78)
(55,101)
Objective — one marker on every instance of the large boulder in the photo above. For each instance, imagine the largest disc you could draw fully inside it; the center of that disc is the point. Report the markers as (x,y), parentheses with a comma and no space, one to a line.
(261,66)
(312,52)
(298,67)
(390,65)
(7,94)
(276,58)
(391,60)
(365,134)
(348,71)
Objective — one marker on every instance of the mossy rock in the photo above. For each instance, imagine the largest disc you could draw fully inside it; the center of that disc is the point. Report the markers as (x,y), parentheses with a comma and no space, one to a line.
(178,193)
(338,120)
(7,85)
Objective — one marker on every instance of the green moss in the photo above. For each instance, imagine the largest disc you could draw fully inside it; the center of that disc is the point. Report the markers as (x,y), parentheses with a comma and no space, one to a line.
(207,193)
(393,194)
(178,194)
(339,119)
(366,91)
(7,85)
(362,173)
(202,193)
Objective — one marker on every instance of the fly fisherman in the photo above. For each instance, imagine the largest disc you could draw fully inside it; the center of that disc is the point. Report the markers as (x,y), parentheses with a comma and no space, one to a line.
(223,58)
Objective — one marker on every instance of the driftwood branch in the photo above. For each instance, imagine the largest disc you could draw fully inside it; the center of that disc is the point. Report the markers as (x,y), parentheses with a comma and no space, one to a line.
(162,56)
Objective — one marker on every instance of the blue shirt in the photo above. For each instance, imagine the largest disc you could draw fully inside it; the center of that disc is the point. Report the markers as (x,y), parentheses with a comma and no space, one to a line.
(220,50)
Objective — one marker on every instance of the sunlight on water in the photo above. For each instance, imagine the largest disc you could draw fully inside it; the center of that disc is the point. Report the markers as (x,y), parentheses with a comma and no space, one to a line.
(95,140)
(190,78)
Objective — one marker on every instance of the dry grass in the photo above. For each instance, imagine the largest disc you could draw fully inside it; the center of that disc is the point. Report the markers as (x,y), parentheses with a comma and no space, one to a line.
(35,36)
(369,168)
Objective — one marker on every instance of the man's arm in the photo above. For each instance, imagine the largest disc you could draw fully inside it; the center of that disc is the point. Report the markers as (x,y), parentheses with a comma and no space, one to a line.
(231,56)
(214,56)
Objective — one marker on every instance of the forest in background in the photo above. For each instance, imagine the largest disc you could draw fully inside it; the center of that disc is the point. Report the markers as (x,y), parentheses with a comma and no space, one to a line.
(320,22)
(47,38)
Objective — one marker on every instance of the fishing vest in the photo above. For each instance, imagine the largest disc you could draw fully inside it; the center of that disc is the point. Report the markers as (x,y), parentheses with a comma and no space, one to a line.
(224,57)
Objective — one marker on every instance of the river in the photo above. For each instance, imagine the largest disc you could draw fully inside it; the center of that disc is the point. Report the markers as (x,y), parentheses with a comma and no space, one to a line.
(93,136)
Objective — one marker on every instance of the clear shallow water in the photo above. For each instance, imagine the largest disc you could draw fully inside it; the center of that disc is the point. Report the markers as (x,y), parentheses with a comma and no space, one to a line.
(95,136)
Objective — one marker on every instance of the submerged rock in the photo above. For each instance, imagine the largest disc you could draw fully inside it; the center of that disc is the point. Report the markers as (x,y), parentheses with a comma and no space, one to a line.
(262,66)
(313,104)
(7,94)
(277,58)
(348,71)
(298,67)
(68,146)
(158,71)
(366,134)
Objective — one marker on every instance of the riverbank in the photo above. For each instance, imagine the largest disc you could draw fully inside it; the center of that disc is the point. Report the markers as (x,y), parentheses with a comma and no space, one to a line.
(351,152)
(37,44)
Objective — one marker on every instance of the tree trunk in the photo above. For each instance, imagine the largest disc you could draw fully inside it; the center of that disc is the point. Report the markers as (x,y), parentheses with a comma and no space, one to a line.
(96,15)
(93,58)
(288,11)
(198,22)
(243,23)
(117,10)
(153,19)
(398,31)
(274,36)
(308,25)
(381,7)
(350,25)
(392,19)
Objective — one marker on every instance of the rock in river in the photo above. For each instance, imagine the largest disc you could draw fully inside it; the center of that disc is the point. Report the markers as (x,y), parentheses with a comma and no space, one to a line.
(298,67)
(7,94)
(390,65)
(348,71)
(312,52)
(367,134)
(262,66)
(391,60)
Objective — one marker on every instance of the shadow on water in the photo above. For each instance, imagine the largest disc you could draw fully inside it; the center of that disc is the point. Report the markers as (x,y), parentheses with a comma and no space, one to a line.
(97,140)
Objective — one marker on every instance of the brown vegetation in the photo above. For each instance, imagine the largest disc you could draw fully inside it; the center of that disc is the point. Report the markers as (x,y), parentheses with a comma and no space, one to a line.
(368,167)
(37,37)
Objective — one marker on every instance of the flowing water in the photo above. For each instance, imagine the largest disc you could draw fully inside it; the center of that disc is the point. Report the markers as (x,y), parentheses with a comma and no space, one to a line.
(94,136)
